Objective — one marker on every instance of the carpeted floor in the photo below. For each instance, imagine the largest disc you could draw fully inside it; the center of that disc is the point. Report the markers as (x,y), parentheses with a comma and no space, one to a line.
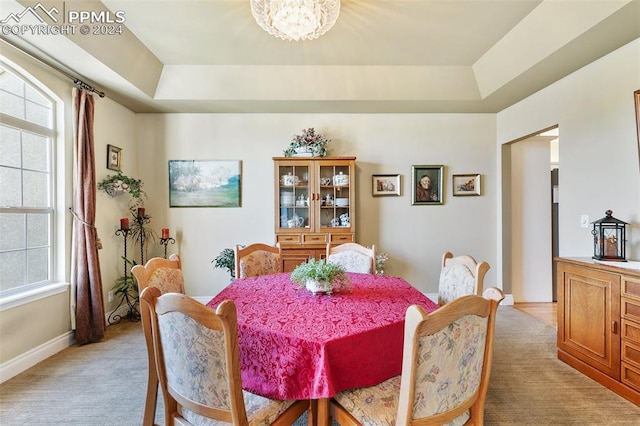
(104,383)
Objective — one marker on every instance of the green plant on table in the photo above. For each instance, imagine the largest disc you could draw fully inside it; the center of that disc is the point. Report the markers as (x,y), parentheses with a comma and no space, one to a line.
(319,270)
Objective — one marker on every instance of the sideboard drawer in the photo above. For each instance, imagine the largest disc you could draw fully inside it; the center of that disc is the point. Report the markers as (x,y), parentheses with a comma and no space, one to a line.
(631,331)
(631,353)
(630,309)
(631,287)
(630,376)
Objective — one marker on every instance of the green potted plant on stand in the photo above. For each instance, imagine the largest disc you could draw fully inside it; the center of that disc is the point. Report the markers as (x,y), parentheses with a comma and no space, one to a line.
(318,276)
(226,260)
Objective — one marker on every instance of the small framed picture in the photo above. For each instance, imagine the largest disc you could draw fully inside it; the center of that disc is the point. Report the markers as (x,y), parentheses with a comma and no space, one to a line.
(114,158)
(427,185)
(385,185)
(466,184)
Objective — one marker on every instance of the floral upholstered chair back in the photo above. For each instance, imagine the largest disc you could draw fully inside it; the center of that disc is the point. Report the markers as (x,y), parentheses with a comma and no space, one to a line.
(257,259)
(450,359)
(199,365)
(166,276)
(353,257)
(460,276)
(445,369)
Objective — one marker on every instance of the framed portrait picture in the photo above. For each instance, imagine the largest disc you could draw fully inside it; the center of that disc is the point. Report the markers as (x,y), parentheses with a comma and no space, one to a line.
(466,184)
(114,158)
(426,185)
(385,185)
(204,183)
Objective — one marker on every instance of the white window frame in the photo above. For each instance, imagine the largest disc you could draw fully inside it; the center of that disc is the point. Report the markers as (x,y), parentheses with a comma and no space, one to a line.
(35,291)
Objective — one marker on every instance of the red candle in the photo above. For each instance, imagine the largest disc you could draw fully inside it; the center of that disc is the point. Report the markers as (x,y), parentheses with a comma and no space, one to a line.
(140,211)
(165,233)
(124,223)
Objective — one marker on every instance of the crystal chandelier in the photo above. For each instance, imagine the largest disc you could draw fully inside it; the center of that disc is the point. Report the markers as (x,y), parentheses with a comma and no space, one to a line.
(296,19)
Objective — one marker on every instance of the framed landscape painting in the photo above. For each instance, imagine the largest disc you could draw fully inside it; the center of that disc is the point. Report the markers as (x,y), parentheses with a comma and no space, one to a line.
(204,183)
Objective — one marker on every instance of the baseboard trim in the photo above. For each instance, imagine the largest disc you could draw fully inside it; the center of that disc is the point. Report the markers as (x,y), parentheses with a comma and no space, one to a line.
(203,299)
(508,298)
(30,358)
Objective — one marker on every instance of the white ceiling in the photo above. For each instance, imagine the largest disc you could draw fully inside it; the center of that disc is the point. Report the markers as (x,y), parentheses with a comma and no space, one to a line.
(381,56)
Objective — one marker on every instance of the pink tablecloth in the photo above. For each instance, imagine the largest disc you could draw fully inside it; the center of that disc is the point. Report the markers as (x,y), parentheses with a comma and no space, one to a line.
(294,345)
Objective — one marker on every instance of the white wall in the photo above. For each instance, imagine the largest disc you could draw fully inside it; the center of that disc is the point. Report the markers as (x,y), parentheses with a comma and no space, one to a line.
(530,258)
(415,237)
(599,167)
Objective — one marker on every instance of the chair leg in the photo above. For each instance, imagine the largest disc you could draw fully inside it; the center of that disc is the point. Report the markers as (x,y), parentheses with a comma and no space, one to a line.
(311,413)
(151,402)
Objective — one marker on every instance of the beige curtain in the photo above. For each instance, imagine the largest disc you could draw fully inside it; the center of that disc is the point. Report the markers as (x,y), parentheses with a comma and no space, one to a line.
(85,264)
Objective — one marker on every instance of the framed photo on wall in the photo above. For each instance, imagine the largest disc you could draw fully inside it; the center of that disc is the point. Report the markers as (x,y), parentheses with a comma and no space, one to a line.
(385,185)
(114,158)
(466,184)
(427,185)
(204,183)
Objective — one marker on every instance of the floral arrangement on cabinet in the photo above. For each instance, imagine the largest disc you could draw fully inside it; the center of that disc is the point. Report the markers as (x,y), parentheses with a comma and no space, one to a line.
(308,144)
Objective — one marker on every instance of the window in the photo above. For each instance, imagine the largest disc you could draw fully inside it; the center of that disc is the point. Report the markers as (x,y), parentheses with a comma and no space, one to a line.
(26,195)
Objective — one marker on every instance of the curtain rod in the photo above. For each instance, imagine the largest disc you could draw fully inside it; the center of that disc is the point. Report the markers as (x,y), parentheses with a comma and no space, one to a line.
(76,81)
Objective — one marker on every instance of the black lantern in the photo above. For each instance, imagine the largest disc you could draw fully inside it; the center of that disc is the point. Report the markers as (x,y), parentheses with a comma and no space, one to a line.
(609,238)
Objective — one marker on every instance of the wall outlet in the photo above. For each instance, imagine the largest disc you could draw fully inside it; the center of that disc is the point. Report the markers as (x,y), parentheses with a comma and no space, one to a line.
(110,296)
(584,221)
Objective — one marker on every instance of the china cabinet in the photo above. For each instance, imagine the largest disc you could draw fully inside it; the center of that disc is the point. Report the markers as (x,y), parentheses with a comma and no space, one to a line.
(599,322)
(314,205)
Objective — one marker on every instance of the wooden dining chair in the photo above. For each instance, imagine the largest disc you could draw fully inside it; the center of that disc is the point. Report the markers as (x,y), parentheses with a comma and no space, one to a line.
(353,257)
(460,276)
(445,369)
(198,362)
(258,259)
(166,275)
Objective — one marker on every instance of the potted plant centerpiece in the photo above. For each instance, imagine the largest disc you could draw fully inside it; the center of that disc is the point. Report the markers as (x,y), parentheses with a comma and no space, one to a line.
(319,276)
(308,144)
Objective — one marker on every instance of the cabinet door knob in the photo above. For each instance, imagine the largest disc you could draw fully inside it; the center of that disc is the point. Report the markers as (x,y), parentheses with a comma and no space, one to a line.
(614,327)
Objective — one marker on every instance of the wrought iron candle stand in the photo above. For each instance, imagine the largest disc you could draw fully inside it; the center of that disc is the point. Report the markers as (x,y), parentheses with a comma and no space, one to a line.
(166,241)
(141,219)
(132,314)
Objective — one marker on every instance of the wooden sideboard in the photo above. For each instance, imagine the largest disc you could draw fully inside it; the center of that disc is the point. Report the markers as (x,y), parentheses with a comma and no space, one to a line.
(599,323)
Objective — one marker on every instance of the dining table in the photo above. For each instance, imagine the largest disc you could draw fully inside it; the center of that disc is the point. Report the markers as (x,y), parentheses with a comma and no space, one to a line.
(298,345)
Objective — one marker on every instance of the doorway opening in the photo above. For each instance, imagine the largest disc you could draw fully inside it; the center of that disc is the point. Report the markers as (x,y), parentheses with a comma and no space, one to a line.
(530,207)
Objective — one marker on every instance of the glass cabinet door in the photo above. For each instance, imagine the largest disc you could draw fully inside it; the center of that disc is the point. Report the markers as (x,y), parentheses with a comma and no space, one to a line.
(294,196)
(335,197)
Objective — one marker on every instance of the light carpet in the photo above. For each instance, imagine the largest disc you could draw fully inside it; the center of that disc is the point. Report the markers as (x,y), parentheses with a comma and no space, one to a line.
(104,383)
